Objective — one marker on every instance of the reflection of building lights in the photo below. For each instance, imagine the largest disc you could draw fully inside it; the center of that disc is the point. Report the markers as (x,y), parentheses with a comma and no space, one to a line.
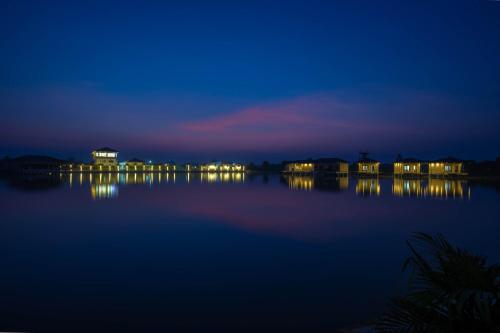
(104,191)
(409,187)
(367,186)
(301,183)
(439,188)
(445,187)
(212,177)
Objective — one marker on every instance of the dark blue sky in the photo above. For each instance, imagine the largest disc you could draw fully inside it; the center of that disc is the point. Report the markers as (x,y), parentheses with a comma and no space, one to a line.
(254,80)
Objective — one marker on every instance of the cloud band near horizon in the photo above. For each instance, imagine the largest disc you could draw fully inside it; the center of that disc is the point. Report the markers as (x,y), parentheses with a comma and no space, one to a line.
(324,122)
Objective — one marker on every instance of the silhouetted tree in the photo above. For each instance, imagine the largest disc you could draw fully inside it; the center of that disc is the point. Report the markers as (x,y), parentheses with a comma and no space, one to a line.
(450,290)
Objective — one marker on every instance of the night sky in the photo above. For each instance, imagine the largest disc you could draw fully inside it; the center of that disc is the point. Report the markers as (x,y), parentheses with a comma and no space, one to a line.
(250,80)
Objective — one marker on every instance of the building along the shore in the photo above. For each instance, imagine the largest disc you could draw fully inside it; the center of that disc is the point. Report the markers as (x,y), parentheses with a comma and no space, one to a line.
(322,165)
(449,166)
(369,167)
(222,167)
(170,167)
(299,167)
(135,165)
(408,167)
(105,157)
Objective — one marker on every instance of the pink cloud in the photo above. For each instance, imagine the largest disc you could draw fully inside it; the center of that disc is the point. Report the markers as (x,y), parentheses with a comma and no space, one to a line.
(309,121)
(325,122)
(298,112)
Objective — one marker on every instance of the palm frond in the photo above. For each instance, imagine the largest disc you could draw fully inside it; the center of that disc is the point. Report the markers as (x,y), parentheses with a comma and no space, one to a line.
(448,287)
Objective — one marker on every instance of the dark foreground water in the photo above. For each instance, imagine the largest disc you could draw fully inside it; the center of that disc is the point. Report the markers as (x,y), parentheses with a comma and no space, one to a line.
(220,253)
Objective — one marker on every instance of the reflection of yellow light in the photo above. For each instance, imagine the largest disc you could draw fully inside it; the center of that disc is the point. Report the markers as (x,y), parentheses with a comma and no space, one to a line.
(368,187)
(238,177)
(343,183)
(301,183)
(212,177)
(445,188)
(402,187)
(104,191)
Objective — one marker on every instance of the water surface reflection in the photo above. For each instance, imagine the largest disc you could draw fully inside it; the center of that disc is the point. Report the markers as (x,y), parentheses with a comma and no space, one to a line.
(106,185)
(215,252)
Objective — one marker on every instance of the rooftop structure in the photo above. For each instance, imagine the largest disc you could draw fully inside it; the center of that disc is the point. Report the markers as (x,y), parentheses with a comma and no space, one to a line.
(105,157)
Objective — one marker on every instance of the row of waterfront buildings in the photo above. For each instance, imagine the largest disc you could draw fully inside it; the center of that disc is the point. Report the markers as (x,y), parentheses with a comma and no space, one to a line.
(106,160)
(365,166)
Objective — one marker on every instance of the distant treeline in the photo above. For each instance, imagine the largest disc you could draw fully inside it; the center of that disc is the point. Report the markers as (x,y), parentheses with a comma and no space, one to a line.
(483,168)
(265,167)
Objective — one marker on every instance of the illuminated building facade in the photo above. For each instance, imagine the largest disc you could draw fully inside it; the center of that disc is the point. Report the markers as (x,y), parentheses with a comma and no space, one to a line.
(446,167)
(222,167)
(408,166)
(134,165)
(367,166)
(169,167)
(321,165)
(105,157)
(299,167)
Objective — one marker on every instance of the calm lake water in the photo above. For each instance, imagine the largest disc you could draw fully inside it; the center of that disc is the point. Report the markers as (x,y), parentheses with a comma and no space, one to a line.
(220,253)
